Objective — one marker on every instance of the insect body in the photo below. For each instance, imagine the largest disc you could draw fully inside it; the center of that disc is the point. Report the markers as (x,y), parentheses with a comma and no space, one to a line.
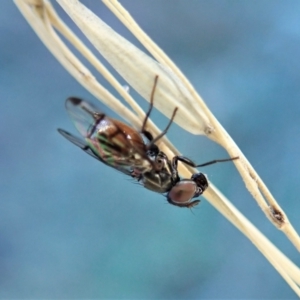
(120,146)
(108,140)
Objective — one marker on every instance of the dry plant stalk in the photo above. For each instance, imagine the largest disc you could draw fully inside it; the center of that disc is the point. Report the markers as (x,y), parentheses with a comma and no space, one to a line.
(173,89)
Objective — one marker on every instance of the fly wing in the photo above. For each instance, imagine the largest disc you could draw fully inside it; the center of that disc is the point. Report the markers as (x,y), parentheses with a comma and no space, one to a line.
(78,142)
(86,148)
(113,142)
(84,115)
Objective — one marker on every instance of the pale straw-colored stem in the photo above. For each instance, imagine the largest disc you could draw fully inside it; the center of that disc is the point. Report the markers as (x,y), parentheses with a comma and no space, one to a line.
(253,182)
(43,19)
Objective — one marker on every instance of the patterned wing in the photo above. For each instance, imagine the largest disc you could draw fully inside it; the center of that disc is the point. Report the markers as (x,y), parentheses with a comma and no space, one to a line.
(87,149)
(111,141)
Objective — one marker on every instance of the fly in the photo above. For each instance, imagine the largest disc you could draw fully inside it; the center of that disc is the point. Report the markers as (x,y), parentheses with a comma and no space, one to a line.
(112,142)
(121,147)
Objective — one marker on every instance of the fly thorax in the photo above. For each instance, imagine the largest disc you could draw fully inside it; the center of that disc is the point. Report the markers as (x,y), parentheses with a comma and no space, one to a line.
(162,163)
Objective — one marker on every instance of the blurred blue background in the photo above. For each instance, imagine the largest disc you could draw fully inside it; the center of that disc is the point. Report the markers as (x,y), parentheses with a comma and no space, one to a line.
(71,227)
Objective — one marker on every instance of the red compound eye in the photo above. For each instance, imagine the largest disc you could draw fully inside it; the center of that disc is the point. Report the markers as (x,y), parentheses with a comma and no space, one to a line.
(183,191)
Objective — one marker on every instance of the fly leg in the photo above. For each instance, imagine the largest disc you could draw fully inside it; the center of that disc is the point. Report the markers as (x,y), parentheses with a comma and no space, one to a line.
(136,175)
(190,163)
(166,129)
(151,147)
(150,107)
